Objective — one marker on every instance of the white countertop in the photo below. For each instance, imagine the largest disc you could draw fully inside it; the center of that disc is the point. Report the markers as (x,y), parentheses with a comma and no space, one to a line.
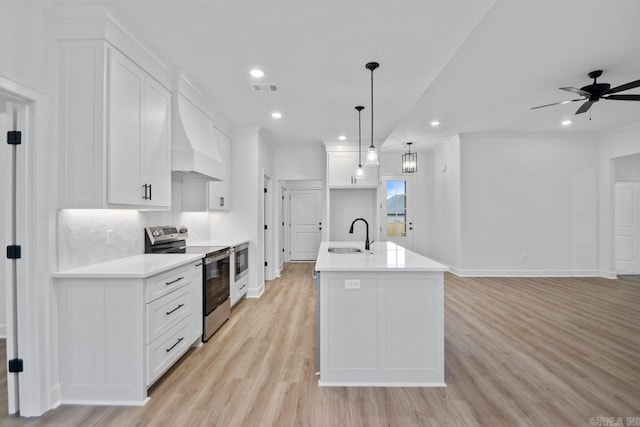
(222,242)
(136,267)
(383,256)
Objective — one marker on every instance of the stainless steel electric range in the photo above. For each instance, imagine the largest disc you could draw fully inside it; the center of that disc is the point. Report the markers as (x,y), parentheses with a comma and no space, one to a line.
(216,272)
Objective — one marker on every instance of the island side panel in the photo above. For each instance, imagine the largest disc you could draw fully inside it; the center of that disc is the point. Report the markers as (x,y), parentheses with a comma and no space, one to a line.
(389,331)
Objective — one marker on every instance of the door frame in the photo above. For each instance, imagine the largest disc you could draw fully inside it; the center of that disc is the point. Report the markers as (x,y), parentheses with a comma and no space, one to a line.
(636,189)
(36,320)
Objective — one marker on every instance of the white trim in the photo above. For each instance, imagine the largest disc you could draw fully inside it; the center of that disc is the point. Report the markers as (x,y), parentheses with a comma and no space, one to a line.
(3,330)
(525,273)
(107,402)
(36,329)
(375,384)
(256,293)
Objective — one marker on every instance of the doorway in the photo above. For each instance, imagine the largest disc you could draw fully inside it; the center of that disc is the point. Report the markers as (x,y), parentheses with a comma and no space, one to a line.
(396,216)
(627,215)
(267,240)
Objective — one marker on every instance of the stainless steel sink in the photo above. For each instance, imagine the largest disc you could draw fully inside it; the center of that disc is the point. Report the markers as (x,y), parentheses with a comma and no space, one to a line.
(345,250)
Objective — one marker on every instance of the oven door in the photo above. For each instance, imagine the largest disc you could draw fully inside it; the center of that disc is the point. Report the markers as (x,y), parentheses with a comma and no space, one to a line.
(216,281)
(242,261)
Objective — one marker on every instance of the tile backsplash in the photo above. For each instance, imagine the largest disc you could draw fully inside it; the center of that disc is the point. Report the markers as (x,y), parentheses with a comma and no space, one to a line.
(82,233)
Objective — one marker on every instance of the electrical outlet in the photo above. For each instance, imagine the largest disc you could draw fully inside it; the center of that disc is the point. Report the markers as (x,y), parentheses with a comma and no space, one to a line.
(352,284)
(109,237)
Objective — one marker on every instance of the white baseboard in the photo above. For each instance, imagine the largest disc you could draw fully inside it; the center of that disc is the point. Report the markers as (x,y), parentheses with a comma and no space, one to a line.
(3,330)
(56,396)
(256,293)
(375,384)
(525,273)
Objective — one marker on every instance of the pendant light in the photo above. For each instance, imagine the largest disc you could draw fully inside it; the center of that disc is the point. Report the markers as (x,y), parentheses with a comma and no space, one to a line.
(409,161)
(359,169)
(372,154)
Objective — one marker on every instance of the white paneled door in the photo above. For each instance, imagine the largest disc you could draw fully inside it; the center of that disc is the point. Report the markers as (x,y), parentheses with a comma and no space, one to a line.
(627,224)
(306,224)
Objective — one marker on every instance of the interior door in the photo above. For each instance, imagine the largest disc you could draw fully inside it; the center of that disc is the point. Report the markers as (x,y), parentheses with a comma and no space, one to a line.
(627,225)
(306,224)
(396,216)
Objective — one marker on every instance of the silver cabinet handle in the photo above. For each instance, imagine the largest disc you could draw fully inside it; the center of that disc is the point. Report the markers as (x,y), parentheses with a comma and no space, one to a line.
(177,342)
(222,201)
(177,308)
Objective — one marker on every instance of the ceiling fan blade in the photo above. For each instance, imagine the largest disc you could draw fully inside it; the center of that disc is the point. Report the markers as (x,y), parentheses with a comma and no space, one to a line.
(577,91)
(623,97)
(584,107)
(557,103)
(625,86)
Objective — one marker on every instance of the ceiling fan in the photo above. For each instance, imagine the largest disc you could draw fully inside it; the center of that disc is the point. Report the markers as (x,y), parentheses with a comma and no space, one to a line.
(597,91)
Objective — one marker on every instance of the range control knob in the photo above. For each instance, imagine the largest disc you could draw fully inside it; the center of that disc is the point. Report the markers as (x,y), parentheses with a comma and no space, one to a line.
(156,233)
(182,230)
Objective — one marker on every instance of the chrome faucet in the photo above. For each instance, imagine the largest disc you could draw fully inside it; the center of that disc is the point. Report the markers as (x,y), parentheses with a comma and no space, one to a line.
(366,242)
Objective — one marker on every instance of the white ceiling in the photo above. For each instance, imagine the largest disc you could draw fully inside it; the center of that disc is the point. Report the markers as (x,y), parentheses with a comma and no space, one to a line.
(477,66)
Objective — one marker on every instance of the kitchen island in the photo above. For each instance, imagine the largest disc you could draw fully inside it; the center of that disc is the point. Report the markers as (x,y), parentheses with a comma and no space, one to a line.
(380,316)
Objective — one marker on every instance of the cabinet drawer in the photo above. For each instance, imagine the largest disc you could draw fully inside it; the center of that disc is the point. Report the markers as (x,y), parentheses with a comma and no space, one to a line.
(165,312)
(168,348)
(169,281)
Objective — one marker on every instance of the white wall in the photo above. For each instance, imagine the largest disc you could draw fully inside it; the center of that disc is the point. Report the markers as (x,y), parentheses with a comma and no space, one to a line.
(627,168)
(347,205)
(528,205)
(442,193)
(300,163)
(611,145)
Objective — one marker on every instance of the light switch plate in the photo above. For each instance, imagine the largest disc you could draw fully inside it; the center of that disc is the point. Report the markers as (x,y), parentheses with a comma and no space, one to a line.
(352,284)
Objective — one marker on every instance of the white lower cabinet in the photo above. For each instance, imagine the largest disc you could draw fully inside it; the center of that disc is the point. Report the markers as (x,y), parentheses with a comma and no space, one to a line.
(117,336)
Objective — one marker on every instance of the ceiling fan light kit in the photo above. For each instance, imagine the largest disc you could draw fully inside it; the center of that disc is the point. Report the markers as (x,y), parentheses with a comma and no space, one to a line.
(596,91)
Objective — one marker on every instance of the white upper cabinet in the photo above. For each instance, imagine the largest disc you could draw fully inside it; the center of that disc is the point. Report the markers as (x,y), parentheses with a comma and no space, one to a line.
(220,191)
(341,171)
(114,130)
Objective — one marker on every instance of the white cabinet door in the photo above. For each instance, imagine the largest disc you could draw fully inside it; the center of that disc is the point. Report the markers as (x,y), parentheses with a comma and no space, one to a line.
(156,160)
(341,171)
(220,191)
(124,130)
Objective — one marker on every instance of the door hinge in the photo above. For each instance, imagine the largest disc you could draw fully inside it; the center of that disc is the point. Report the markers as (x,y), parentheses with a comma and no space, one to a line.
(265,226)
(14,137)
(265,190)
(282,249)
(14,252)
(265,263)
(16,365)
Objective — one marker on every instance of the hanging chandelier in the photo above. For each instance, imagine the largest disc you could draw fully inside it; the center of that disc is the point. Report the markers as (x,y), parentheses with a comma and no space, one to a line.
(372,153)
(409,161)
(359,169)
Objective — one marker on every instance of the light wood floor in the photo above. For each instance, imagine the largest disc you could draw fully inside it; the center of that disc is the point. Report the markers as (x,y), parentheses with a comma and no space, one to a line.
(519,352)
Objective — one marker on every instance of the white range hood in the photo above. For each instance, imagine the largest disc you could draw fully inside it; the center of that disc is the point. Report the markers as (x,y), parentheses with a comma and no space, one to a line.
(195,147)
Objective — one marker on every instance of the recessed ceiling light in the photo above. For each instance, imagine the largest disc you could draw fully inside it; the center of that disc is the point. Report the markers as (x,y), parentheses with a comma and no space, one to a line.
(256,73)
(342,137)
(276,115)
(565,122)
(434,123)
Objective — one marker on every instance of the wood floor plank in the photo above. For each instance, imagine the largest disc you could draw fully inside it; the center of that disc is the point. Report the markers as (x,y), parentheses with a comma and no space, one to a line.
(518,352)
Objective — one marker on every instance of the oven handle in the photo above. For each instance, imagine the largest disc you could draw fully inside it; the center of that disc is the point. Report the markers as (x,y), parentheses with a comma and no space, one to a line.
(217,257)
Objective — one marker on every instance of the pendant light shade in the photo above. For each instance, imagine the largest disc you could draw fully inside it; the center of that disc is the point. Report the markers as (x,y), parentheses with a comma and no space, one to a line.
(409,161)
(359,169)
(372,153)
